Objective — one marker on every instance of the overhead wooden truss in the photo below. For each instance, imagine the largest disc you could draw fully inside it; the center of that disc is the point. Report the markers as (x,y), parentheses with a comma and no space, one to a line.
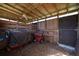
(34,11)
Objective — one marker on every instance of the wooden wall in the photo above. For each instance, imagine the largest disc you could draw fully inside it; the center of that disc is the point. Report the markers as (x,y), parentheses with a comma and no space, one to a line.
(7,24)
(2,24)
(51,28)
(41,25)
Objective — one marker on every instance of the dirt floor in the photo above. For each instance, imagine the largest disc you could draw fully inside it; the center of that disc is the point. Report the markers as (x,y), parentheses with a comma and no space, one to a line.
(35,49)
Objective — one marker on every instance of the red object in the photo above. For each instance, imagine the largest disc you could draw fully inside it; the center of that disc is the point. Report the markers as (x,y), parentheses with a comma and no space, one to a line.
(38,37)
(15,46)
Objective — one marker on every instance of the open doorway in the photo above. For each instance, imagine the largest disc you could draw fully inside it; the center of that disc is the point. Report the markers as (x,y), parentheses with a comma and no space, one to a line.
(67,30)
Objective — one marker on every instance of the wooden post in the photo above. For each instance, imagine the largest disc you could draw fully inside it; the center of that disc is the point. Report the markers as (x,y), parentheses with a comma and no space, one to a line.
(77,43)
(45,24)
(58,27)
(17,26)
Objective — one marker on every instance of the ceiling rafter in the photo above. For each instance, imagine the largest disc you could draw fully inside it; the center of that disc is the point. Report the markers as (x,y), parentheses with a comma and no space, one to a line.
(13,12)
(4,8)
(46,9)
(21,10)
(37,10)
(33,16)
(12,9)
(57,12)
(67,5)
(16,11)
(33,11)
(4,13)
(29,10)
(10,13)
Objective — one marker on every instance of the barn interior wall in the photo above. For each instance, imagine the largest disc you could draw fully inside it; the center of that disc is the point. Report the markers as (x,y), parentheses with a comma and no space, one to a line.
(7,24)
(51,28)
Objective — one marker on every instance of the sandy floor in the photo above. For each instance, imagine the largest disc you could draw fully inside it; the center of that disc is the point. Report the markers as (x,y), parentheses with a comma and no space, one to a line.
(35,49)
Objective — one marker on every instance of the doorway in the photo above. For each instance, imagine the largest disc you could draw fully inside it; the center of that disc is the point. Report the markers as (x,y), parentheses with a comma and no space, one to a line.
(67,30)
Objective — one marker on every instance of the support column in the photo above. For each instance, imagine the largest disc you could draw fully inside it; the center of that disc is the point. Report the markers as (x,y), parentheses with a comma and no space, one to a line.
(77,43)
(45,24)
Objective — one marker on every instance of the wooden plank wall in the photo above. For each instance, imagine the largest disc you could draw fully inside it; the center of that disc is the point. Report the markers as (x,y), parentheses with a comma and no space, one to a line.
(7,24)
(2,24)
(52,34)
(41,25)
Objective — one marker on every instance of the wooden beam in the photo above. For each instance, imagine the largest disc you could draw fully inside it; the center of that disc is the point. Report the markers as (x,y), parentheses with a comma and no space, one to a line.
(8,13)
(37,10)
(30,11)
(46,9)
(23,12)
(4,8)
